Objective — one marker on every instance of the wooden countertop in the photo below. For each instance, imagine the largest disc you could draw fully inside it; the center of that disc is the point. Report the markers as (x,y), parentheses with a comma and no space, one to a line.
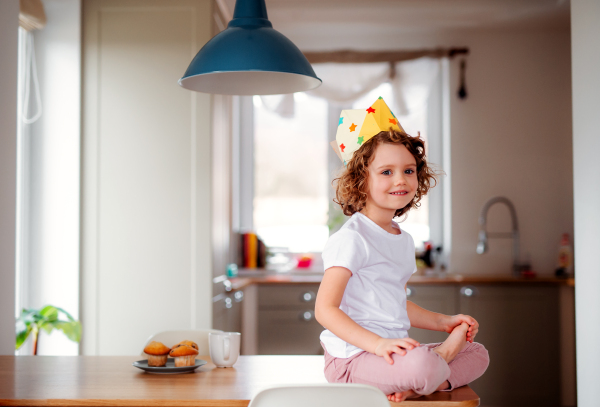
(248,276)
(113,381)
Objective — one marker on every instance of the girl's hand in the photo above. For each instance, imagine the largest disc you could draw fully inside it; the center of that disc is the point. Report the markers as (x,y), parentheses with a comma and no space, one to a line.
(385,347)
(450,322)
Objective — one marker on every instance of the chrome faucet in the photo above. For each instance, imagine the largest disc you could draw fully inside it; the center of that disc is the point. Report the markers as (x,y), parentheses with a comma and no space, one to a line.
(482,245)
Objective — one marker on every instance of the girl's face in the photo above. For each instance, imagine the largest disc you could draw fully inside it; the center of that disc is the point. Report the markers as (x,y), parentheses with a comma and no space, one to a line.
(392,182)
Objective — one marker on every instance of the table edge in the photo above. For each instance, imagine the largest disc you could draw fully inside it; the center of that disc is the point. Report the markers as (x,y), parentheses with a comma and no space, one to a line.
(197,403)
(122,402)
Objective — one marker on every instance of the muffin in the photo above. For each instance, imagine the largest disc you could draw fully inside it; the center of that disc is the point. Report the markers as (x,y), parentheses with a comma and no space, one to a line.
(188,343)
(157,354)
(184,355)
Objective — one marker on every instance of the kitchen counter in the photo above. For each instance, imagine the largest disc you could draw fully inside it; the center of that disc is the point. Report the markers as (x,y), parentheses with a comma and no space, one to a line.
(247,277)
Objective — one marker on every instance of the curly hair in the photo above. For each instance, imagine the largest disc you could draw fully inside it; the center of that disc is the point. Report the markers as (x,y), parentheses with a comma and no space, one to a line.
(351,185)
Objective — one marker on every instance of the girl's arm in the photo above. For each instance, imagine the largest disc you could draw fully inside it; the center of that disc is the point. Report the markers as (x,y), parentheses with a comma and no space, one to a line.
(421,318)
(329,314)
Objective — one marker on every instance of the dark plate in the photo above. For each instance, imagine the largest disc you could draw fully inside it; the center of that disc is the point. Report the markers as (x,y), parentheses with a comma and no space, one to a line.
(169,368)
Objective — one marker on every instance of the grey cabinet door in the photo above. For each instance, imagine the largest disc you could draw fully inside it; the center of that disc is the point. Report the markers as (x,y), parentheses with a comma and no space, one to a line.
(286,322)
(436,298)
(289,332)
(227,312)
(519,327)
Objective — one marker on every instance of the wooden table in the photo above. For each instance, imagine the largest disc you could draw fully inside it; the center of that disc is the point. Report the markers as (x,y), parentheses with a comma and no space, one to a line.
(113,381)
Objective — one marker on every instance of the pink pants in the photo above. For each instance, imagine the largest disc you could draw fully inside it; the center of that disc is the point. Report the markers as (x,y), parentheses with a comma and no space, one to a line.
(420,369)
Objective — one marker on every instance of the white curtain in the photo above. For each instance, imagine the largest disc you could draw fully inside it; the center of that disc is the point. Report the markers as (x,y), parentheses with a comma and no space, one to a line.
(343,84)
(283,105)
(412,84)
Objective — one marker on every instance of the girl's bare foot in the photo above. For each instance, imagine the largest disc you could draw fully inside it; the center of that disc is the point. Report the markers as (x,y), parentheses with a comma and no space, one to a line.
(401,396)
(443,386)
(409,394)
(455,342)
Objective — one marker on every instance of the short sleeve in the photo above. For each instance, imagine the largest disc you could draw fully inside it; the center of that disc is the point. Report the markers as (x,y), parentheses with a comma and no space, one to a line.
(345,248)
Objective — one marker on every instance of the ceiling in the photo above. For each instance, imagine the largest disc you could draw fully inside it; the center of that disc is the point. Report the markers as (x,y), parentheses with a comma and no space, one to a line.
(353,18)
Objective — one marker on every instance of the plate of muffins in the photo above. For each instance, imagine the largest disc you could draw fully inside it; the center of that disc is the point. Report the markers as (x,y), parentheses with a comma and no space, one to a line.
(181,358)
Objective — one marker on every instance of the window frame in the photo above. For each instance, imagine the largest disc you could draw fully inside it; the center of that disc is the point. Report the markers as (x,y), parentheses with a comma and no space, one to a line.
(438,118)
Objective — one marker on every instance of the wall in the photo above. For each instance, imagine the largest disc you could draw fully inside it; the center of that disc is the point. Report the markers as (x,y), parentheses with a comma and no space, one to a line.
(585,20)
(511,137)
(9,24)
(146,248)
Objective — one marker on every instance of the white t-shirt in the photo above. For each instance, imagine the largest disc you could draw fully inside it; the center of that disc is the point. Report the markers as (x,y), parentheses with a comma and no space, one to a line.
(381,264)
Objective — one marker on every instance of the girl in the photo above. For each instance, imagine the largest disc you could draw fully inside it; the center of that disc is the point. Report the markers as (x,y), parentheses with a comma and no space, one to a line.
(362,298)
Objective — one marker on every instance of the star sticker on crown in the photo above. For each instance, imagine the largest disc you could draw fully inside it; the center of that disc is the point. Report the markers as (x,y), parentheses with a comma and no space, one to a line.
(365,124)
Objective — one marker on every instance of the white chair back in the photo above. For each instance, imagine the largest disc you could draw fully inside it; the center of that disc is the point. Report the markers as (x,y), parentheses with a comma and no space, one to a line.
(170,338)
(321,395)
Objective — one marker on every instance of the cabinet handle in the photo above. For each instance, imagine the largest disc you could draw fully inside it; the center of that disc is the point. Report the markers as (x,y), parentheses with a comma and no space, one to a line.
(238,296)
(409,292)
(307,296)
(228,286)
(306,316)
(469,291)
(228,303)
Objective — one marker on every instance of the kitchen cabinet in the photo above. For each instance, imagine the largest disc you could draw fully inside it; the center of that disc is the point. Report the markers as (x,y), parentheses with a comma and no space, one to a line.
(227,311)
(526,326)
(279,319)
(519,326)
(520,330)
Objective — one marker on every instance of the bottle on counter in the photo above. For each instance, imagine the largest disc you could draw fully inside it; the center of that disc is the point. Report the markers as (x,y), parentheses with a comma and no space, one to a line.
(565,257)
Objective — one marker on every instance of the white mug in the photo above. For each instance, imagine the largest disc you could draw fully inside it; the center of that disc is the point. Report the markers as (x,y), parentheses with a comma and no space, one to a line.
(224,348)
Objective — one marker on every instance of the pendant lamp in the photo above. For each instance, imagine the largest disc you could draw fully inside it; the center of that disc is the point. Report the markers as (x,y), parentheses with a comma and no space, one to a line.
(249,58)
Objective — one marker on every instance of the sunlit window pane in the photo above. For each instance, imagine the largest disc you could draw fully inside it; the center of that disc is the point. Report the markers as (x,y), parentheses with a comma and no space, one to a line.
(290,195)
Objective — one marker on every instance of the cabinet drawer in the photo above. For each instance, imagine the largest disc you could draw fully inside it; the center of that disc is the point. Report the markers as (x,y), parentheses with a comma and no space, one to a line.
(289,333)
(287,296)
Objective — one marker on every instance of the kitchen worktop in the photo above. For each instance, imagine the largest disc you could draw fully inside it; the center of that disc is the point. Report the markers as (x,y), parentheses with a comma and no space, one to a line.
(260,276)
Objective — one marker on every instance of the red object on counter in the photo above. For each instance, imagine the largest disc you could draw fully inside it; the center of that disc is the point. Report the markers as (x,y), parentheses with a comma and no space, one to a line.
(528,274)
(304,262)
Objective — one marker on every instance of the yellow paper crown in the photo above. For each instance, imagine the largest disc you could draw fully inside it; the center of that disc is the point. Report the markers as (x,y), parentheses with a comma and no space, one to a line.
(357,126)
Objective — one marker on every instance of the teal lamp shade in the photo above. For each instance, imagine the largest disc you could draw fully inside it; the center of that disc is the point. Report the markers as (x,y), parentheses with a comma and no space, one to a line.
(249,58)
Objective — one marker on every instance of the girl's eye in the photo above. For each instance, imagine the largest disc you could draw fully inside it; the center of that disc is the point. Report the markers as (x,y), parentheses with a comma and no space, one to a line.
(387,172)
(409,171)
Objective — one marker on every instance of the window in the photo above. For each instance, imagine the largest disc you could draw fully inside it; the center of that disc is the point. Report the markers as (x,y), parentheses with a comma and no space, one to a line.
(290,175)
(48,168)
(292,195)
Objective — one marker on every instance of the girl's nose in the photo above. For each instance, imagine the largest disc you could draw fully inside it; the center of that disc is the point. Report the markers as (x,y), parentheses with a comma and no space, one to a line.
(400,181)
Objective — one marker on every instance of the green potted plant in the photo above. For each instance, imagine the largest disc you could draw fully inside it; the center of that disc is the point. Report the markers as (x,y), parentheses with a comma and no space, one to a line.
(32,321)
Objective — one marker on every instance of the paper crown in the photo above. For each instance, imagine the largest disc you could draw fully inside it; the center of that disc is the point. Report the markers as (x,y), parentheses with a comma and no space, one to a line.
(357,126)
